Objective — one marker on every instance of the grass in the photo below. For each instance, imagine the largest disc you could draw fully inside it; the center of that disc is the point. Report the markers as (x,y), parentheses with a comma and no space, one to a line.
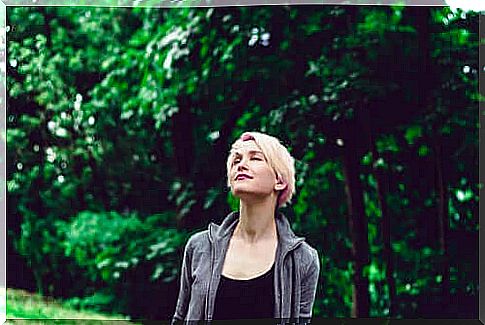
(23,305)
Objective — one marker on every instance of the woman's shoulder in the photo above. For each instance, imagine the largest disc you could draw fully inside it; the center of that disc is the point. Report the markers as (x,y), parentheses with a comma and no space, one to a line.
(308,254)
(199,239)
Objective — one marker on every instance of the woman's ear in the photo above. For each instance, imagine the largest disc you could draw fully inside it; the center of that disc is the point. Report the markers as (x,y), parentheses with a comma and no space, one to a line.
(280,184)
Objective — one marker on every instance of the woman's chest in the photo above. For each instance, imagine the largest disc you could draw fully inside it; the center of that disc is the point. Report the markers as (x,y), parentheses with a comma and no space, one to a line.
(247,261)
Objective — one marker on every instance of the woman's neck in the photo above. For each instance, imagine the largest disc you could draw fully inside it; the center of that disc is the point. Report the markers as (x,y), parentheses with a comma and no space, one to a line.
(256,222)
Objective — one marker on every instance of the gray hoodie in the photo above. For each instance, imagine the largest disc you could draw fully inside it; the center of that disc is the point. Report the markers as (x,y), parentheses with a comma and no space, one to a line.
(297,268)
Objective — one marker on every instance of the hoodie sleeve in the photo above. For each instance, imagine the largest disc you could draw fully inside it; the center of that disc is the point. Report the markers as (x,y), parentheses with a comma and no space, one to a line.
(309,287)
(185,285)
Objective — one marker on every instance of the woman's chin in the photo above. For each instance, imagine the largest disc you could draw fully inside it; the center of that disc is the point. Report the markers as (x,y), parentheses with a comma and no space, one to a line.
(241,194)
(249,195)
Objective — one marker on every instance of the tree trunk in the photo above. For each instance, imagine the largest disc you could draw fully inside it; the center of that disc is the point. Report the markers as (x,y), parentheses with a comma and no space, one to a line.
(36,261)
(443,225)
(427,78)
(357,225)
(383,188)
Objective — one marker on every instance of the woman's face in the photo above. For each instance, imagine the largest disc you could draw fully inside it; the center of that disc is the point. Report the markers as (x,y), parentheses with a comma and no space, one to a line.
(251,175)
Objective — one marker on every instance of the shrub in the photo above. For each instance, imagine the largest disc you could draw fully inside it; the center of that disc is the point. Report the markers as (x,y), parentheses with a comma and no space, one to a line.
(121,253)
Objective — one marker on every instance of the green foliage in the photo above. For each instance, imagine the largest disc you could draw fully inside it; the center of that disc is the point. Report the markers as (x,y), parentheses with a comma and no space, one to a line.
(110,244)
(412,133)
(110,247)
(25,305)
(233,202)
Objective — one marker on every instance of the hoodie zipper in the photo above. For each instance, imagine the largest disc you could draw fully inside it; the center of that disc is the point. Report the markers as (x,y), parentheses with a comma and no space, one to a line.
(294,246)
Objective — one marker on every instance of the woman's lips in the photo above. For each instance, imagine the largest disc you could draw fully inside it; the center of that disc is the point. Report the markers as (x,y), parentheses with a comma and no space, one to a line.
(242,177)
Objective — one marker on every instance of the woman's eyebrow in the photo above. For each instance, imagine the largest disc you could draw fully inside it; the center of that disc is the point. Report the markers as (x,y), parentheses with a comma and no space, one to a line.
(250,152)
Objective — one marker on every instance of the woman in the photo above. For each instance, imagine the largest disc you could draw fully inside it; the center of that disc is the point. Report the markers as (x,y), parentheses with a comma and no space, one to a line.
(252,265)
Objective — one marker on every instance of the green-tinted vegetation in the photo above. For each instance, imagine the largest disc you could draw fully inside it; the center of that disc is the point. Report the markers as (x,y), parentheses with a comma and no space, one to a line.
(24,305)
(119,121)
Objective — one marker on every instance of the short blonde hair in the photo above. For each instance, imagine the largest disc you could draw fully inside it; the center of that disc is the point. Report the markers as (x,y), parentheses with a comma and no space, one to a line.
(278,158)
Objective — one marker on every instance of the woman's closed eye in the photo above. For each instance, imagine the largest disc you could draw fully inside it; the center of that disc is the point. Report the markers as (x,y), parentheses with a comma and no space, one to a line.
(238,160)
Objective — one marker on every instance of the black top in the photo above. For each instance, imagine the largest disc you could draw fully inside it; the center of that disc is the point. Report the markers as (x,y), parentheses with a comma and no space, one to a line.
(245,299)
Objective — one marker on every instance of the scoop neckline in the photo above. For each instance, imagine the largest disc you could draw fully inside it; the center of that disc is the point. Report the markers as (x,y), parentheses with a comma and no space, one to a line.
(250,279)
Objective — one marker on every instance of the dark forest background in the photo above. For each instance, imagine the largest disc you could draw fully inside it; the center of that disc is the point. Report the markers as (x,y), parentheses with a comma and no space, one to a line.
(119,121)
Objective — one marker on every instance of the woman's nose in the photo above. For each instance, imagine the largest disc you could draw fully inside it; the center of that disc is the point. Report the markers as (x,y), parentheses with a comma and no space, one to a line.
(242,164)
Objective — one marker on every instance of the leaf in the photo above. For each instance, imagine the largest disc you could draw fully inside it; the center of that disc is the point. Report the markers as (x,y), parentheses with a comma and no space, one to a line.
(413,133)
(423,150)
